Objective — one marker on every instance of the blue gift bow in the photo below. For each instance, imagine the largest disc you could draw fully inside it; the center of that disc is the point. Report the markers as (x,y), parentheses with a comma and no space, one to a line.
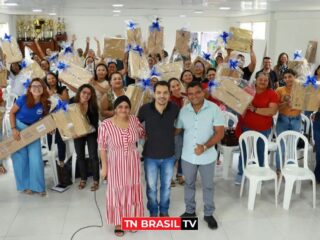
(311,80)
(233,64)
(67,50)
(23,64)
(206,56)
(153,72)
(61,105)
(145,84)
(53,57)
(7,37)
(131,25)
(62,66)
(138,49)
(155,26)
(128,48)
(225,36)
(212,85)
(27,83)
(297,55)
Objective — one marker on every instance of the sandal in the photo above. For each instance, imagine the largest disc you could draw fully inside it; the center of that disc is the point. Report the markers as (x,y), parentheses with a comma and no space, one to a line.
(173,183)
(95,186)
(82,184)
(43,194)
(3,170)
(61,164)
(118,232)
(28,191)
(180,180)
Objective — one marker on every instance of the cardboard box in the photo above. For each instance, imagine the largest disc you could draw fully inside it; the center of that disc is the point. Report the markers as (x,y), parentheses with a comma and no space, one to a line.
(75,75)
(233,96)
(34,70)
(11,50)
(135,94)
(155,41)
(170,70)
(183,39)
(134,37)
(114,48)
(224,71)
(72,124)
(305,98)
(311,51)
(28,135)
(240,40)
(138,65)
(3,78)
(300,67)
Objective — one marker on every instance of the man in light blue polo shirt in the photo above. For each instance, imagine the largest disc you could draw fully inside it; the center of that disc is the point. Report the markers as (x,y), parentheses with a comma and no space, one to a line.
(202,122)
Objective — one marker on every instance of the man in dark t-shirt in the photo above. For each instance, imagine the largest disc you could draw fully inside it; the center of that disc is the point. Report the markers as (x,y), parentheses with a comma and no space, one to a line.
(248,70)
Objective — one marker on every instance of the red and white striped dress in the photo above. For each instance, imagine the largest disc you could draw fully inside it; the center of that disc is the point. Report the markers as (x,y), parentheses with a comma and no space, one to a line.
(124,191)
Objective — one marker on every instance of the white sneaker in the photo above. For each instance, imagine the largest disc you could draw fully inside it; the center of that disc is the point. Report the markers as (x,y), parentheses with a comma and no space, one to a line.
(238,179)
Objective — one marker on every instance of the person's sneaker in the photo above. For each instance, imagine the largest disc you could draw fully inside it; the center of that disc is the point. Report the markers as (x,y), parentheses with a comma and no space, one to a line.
(238,179)
(187,215)
(163,215)
(212,223)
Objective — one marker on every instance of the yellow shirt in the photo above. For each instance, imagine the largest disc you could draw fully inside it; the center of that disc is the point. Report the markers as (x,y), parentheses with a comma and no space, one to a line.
(284,93)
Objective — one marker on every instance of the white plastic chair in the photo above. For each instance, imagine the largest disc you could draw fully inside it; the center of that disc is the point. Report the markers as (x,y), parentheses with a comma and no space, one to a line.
(287,144)
(50,155)
(251,168)
(9,99)
(305,129)
(228,151)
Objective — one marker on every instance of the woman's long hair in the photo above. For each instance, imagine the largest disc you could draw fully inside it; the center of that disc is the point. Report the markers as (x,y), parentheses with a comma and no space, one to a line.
(279,58)
(95,71)
(58,83)
(44,99)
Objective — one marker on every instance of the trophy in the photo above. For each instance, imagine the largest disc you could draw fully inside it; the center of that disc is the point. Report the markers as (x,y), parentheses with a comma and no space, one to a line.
(51,25)
(20,27)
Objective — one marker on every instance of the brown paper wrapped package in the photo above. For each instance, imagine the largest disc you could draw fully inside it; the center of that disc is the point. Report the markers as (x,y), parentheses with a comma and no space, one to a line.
(138,65)
(305,98)
(224,71)
(155,41)
(135,94)
(71,58)
(233,96)
(311,51)
(134,37)
(114,48)
(75,75)
(11,50)
(28,135)
(183,42)
(170,70)
(72,124)
(3,78)
(240,39)
(34,70)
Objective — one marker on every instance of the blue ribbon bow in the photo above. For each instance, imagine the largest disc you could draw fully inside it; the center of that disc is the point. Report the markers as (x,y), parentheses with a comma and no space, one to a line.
(23,64)
(311,80)
(53,58)
(62,66)
(297,55)
(145,84)
(225,36)
(67,50)
(7,37)
(233,64)
(131,25)
(206,56)
(138,49)
(155,26)
(212,85)
(153,72)
(61,105)
(27,83)
(128,48)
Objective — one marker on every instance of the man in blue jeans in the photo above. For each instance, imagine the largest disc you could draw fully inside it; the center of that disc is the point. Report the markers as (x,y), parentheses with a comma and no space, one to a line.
(316,136)
(159,117)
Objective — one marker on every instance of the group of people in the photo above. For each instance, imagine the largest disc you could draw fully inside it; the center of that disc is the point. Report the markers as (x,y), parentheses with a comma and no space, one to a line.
(181,126)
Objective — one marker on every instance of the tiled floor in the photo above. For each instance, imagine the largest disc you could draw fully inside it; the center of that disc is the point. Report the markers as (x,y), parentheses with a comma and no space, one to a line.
(59,215)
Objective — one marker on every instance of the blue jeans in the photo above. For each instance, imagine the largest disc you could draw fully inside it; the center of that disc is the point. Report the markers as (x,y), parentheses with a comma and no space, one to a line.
(316,135)
(152,168)
(285,123)
(260,150)
(28,165)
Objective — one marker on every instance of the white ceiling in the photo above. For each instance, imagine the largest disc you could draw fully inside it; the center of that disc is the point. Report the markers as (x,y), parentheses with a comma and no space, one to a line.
(160,8)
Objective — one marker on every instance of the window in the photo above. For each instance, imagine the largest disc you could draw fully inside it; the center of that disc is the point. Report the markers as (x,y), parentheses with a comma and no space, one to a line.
(203,41)
(4,28)
(258,29)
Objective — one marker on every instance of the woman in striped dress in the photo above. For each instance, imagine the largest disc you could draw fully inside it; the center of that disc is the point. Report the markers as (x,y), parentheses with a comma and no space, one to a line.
(120,159)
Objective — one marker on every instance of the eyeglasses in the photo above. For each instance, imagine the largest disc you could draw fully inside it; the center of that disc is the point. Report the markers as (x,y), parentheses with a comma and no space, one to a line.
(36,86)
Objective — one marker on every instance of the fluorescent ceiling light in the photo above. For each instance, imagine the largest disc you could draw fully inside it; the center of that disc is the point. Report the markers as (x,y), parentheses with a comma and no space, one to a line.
(198,11)
(246,5)
(182,16)
(11,4)
(52,14)
(117,5)
(224,8)
(116,11)
(36,10)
